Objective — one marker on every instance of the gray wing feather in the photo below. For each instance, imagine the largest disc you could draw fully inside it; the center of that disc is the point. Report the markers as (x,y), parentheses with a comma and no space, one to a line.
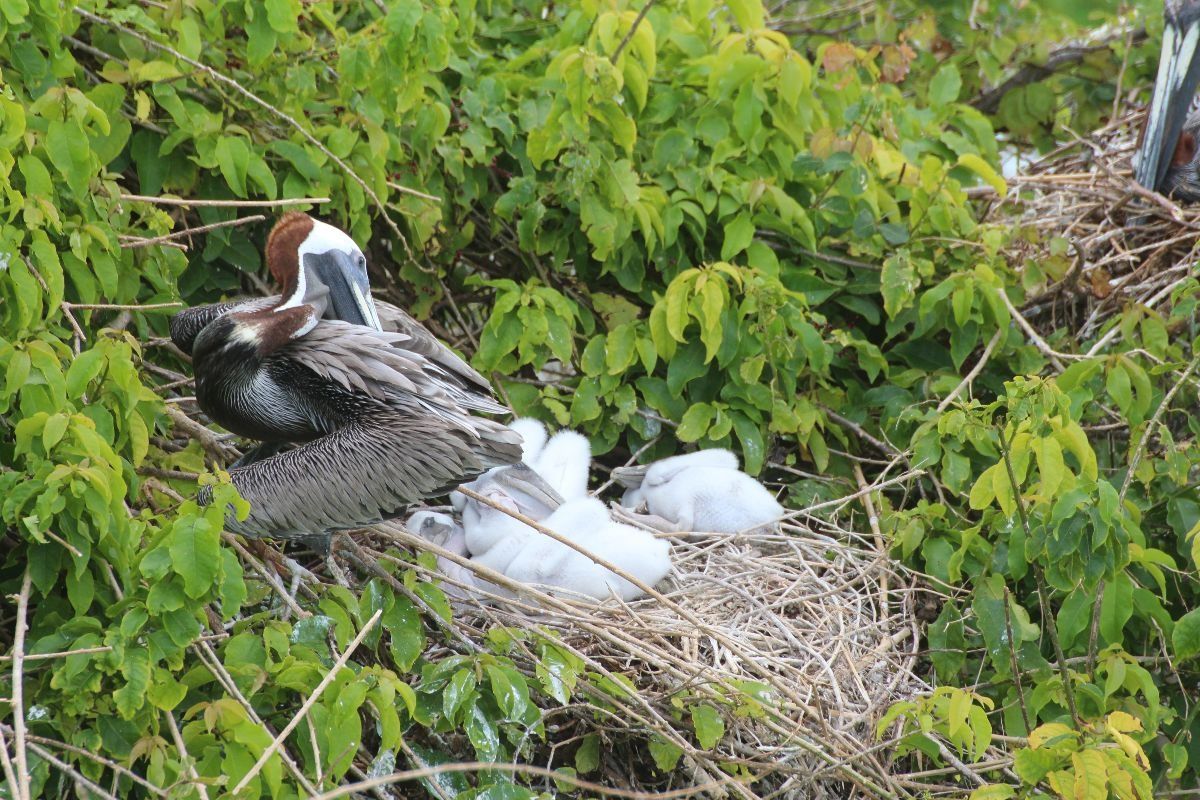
(367,471)
(423,342)
(383,365)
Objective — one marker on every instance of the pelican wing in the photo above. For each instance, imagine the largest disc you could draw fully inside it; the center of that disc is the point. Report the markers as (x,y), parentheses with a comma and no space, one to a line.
(423,342)
(365,472)
(385,366)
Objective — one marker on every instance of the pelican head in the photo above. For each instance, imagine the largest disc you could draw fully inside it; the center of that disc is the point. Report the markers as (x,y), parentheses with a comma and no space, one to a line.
(1166,160)
(321,266)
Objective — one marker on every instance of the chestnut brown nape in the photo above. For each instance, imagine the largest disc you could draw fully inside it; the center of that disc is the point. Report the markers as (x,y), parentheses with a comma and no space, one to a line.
(1185,150)
(283,245)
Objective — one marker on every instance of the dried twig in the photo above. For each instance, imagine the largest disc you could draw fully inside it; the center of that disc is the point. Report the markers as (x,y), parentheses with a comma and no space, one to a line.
(18,686)
(166,237)
(198,203)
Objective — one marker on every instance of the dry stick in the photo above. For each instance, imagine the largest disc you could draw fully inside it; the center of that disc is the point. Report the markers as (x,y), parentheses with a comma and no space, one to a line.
(841,501)
(529,769)
(18,688)
(183,201)
(61,653)
(1012,651)
(10,776)
(1047,617)
(182,748)
(101,760)
(123,306)
(406,190)
(717,636)
(974,373)
(1048,351)
(309,703)
(873,522)
(205,652)
(70,772)
(252,97)
(632,30)
(189,231)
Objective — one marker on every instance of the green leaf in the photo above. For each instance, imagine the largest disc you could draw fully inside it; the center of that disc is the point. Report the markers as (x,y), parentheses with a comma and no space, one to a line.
(1118,386)
(695,423)
(83,370)
(406,634)
(1185,638)
(708,724)
(665,754)
(945,85)
(739,232)
(195,555)
(67,146)
(985,171)
(748,13)
(1050,463)
(898,282)
(587,757)
(233,157)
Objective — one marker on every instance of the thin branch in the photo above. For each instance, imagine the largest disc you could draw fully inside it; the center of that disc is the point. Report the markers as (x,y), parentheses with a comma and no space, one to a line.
(632,30)
(181,201)
(989,102)
(101,760)
(18,686)
(1012,652)
(974,373)
(181,746)
(66,309)
(70,771)
(309,703)
(123,306)
(61,654)
(406,190)
(1049,352)
(190,231)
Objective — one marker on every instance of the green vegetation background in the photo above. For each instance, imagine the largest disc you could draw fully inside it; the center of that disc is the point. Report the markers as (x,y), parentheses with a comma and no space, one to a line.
(745,224)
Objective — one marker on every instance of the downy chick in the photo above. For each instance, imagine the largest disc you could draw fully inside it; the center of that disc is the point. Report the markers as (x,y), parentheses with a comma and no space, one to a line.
(701,491)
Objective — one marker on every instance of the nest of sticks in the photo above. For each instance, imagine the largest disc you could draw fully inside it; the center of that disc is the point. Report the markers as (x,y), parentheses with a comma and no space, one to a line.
(801,637)
(1109,241)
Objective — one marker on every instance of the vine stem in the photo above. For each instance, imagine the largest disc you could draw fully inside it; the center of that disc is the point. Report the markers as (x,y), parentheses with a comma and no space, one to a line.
(1047,617)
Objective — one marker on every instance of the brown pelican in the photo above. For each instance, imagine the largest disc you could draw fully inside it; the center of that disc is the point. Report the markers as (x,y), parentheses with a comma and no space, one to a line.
(380,409)
(1166,160)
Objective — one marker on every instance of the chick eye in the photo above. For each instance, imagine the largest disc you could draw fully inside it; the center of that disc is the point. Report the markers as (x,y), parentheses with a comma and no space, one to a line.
(362,261)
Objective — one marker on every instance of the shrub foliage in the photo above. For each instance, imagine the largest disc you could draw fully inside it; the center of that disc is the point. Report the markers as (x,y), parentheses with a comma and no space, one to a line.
(726,225)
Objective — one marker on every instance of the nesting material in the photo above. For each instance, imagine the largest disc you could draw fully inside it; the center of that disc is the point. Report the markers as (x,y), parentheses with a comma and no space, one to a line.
(1102,240)
(809,619)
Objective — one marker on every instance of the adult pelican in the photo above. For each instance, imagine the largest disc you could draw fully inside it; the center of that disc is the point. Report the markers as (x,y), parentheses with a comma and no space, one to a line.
(1166,160)
(380,409)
